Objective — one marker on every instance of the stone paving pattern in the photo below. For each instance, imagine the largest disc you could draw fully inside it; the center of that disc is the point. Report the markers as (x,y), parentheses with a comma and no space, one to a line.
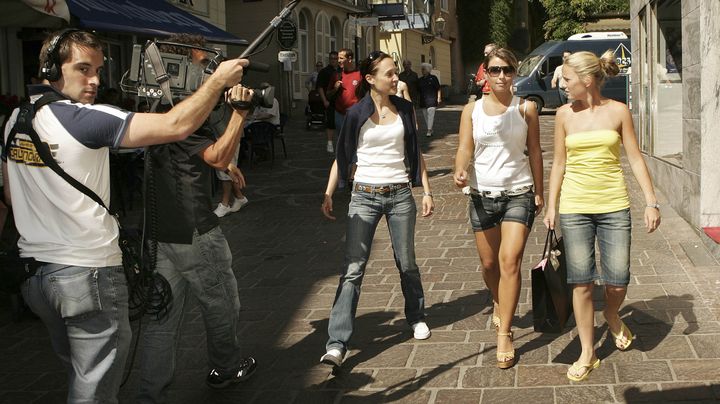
(287,258)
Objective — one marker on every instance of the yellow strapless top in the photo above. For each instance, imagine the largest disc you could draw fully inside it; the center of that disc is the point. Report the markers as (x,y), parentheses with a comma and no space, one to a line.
(593,181)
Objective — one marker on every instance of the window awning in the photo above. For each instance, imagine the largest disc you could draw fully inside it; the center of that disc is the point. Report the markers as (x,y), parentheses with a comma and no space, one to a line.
(149,17)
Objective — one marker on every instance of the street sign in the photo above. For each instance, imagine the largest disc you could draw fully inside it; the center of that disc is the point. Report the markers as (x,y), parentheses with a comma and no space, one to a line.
(287,34)
(368,21)
(287,56)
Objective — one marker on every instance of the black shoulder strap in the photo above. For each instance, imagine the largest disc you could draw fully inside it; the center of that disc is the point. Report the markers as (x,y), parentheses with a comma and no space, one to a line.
(45,98)
(24,125)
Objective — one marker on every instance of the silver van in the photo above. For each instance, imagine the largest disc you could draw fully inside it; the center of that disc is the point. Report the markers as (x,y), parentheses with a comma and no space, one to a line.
(536,70)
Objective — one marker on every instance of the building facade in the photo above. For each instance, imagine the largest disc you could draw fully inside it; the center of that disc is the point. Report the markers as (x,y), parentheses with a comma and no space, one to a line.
(322,26)
(676,87)
(427,34)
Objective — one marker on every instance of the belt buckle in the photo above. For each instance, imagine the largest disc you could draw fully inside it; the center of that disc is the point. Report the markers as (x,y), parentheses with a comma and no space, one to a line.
(493,194)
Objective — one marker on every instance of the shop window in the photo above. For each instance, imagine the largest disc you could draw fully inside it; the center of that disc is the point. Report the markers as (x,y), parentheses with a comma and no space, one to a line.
(667,82)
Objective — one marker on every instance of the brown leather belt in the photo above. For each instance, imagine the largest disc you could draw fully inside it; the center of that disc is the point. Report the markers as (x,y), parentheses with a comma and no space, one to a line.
(380,189)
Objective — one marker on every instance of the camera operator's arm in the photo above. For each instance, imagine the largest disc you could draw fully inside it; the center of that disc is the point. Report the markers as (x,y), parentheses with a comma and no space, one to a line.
(187,116)
(221,153)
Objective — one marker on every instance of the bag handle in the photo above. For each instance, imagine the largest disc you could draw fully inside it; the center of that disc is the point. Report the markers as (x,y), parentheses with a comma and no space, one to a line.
(551,236)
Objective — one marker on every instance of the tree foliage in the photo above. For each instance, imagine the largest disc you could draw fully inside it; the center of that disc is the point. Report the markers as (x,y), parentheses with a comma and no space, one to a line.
(567,17)
(474,28)
(501,23)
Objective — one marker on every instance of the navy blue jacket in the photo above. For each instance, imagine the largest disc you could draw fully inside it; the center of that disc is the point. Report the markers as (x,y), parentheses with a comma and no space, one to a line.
(356,117)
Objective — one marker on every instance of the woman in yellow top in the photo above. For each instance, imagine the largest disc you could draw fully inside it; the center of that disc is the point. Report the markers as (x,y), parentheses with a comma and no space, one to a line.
(594,203)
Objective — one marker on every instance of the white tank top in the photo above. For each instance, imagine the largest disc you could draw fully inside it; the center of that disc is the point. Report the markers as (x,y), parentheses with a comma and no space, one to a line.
(500,162)
(381,153)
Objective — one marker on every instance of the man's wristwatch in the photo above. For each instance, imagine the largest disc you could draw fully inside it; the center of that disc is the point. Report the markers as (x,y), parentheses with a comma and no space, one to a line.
(653,205)
(427,194)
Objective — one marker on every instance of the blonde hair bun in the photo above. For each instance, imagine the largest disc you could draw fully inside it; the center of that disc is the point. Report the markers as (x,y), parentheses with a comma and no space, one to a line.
(608,64)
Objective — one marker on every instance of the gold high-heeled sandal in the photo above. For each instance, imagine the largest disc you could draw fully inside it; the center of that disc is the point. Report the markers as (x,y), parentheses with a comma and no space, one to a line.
(506,360)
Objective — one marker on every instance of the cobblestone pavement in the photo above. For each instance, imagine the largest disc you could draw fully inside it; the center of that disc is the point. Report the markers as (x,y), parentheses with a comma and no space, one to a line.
(287,257)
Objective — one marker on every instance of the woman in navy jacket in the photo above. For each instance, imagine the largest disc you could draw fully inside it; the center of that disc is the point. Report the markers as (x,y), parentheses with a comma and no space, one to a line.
(379,137)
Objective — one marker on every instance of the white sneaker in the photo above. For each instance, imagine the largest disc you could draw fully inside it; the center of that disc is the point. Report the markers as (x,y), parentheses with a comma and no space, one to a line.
(238,204)
(332,357)
(420,330)
(330,148)
(222,210)
(428,134)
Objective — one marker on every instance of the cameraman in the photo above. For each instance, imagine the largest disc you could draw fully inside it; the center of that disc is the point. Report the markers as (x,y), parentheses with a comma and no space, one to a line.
(192,252)
(79,290)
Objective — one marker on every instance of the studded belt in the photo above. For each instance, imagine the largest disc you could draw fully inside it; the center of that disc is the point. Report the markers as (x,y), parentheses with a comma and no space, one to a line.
(499,194)
(380,189)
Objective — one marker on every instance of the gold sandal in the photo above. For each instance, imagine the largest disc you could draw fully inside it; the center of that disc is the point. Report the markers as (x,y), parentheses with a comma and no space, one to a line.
(586,370)
(506,360)
(624,338)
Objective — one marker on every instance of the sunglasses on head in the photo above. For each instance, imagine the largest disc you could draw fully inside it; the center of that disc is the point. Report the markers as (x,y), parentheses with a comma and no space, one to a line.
(494,71)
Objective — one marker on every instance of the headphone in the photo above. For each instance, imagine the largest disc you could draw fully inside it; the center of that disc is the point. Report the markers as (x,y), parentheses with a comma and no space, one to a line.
(50,70)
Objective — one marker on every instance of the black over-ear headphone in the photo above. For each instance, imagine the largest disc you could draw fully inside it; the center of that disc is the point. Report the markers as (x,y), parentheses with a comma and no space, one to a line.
(50,70)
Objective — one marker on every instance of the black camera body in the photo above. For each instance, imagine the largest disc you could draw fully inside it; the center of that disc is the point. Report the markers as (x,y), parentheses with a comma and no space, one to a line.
(184,76)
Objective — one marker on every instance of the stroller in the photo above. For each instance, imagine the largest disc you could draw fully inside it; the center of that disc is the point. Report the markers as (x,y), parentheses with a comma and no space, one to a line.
(314,110)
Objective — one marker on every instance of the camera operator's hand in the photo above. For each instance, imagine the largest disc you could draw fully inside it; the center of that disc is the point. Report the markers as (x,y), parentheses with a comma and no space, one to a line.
(239,98)
(230,71)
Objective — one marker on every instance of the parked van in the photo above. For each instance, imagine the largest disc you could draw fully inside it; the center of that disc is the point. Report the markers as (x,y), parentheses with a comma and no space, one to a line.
(536,70)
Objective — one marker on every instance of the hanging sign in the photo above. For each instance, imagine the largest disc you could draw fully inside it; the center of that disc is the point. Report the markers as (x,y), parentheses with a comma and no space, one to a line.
(287,34)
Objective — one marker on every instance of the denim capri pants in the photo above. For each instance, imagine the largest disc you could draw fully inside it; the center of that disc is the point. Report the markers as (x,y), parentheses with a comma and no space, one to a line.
(612,231)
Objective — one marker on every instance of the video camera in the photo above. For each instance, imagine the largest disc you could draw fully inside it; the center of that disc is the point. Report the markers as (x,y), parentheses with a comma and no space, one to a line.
(153,73)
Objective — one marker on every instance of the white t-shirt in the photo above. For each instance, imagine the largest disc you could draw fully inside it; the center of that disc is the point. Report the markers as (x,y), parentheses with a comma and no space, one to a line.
(57,223)
(381,154)
(500,141)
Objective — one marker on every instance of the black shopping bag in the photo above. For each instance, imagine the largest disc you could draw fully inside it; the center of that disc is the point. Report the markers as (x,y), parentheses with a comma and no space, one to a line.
(551,296)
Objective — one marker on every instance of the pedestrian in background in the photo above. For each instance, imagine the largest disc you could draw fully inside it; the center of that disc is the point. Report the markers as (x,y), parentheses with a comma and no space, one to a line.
(346,83)
(311,82)
(430,96)
(326,87)
(410,77)
(379,135)
(480,80)
(559,82)
(504,185)
(594,205)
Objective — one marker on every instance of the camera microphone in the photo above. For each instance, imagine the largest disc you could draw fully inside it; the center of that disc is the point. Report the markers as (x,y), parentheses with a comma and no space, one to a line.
(257,66)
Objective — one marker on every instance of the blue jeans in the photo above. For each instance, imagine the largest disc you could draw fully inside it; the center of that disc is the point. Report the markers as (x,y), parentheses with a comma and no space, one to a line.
(613,236)
(364,214)
(86,313)
(201,269)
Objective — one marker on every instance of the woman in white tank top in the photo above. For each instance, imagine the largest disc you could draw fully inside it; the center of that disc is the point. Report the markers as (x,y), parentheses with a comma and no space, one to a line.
(379,136)
(504,184)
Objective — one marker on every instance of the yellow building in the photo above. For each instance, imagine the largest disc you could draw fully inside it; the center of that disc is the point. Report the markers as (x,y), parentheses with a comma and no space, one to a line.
(427,34)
